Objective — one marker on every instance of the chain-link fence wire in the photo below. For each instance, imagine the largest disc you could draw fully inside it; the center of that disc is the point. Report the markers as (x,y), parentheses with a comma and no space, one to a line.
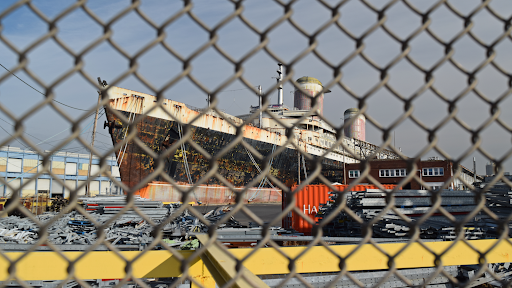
(315,174)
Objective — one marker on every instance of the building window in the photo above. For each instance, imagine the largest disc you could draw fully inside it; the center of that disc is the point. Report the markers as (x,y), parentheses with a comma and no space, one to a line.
(434,171)
(353,173)
(392,172)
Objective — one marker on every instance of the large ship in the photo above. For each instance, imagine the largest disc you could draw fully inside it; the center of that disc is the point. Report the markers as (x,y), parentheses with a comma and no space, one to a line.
(212,132)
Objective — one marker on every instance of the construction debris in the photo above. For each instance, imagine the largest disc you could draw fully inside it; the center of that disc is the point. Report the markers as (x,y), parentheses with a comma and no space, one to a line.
(57,204)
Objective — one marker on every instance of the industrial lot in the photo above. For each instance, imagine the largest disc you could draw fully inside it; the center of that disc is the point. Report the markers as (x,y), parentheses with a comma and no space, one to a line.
(187,144)
(157,221)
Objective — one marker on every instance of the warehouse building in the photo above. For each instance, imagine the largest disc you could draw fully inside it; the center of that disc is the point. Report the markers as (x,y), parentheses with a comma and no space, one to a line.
(18,167)
(432,171)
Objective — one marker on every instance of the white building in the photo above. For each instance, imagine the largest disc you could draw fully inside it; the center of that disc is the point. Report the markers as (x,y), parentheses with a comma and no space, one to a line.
(20,167)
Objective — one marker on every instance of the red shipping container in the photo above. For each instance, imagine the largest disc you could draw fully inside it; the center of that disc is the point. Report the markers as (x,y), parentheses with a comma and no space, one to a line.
(309,199)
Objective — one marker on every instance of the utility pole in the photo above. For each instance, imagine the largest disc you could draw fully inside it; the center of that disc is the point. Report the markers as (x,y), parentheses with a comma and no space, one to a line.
(92,141)
(474,170)
(298,166)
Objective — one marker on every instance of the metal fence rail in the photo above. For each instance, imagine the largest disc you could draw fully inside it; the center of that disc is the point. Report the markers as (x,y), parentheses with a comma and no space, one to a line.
(487,209)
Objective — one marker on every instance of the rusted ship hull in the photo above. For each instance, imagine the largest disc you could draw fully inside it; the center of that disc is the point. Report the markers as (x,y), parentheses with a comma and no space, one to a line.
(235,166)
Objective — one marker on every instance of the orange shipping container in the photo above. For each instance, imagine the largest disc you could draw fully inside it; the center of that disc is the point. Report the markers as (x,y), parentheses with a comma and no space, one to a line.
(207,194)
(309,199)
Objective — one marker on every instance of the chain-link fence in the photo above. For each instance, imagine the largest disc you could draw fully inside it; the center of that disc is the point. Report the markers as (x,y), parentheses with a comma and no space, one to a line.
(178,163)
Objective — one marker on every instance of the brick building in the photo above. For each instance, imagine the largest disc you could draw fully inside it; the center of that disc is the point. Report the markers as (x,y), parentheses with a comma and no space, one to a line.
(433,172)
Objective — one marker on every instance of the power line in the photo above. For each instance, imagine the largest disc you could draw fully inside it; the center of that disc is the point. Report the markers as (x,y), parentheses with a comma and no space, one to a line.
(44,141)
(14,138)
(68,105)
(103,142)
(38,90)
(104,135)
(235,90)
(23,132)
(33,135)
(70,150)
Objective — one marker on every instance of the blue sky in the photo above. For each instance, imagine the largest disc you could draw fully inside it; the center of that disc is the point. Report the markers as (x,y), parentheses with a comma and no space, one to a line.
(49,61)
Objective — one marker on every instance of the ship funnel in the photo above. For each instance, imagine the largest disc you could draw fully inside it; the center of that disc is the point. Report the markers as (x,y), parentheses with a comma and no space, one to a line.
(357,129)
(313,87)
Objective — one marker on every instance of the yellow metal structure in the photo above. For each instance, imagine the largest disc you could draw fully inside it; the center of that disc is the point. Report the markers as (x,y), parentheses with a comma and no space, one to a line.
(223,267)
(266,261)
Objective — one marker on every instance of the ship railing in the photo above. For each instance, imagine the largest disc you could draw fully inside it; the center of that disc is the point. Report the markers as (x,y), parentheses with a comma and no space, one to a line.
(370,148)
(203,110)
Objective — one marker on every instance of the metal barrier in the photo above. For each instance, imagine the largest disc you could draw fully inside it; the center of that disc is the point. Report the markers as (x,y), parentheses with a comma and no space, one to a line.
(158,141)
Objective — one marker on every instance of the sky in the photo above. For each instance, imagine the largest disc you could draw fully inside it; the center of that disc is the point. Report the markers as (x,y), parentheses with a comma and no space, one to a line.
(49,62)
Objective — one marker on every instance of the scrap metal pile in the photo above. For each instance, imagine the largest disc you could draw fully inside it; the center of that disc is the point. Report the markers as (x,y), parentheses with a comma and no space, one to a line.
(114,204)
(414,204)
(129,228)
(470,272)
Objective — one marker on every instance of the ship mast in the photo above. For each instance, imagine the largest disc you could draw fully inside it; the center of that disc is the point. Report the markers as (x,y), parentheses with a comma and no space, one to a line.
(279,81)
(261,112)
